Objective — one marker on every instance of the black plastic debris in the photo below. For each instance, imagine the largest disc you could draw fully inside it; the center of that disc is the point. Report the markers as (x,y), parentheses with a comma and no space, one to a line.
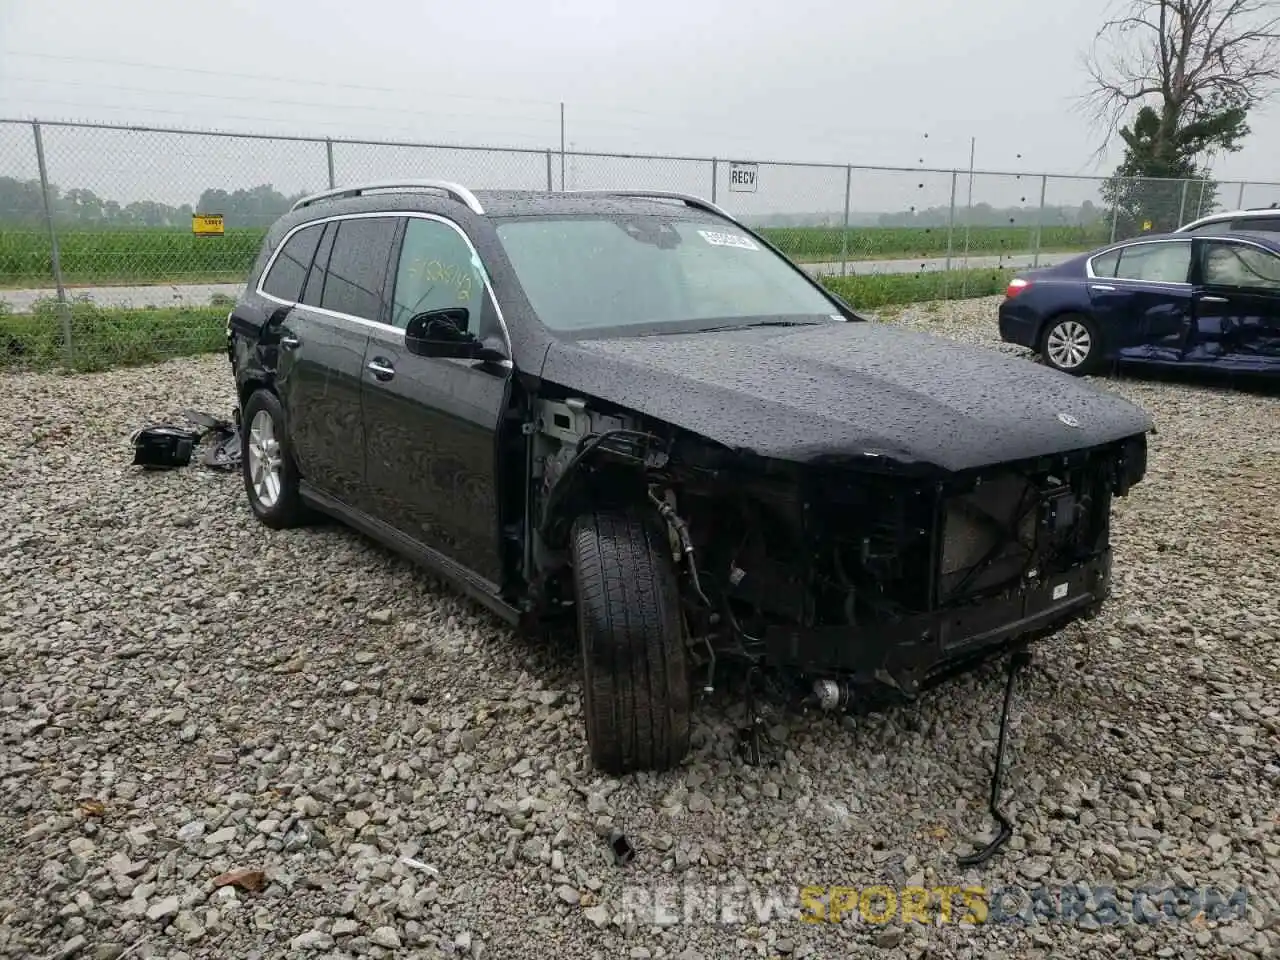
(621,848)
(165,446)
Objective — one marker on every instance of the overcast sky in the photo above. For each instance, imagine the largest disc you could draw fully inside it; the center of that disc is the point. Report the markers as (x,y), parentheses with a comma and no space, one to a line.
(868,82)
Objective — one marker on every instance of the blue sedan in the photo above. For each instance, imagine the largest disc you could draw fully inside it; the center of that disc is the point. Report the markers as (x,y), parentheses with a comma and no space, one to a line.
(1196,301)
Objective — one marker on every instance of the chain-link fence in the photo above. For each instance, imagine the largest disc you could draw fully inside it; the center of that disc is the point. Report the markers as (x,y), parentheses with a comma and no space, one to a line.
(123,244)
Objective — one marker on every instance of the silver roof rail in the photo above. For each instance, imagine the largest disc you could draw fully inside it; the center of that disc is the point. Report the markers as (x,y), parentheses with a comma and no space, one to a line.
(689,199)
(447,187)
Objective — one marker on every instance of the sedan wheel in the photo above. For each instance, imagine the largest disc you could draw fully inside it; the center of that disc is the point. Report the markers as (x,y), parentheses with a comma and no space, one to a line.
(1071,345)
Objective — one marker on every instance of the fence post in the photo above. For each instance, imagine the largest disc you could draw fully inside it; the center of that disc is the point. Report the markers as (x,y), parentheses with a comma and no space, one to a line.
(715,176)
(328,155)
(1240,199)
(1115,216)
(968,220)
(550,182)
(64,308)
(1044,183)
(844,233)
(1182,204)
(951,226)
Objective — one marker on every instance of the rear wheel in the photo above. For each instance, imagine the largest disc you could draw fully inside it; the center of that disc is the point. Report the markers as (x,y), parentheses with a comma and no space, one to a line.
(270,475)
(1071,343)
(636,693)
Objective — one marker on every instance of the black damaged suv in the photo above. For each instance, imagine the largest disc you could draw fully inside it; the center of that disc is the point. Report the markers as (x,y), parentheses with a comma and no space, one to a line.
(631,409)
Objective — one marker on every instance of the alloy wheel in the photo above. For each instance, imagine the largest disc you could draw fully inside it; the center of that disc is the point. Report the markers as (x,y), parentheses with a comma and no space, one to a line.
(1068,344)
(264,459)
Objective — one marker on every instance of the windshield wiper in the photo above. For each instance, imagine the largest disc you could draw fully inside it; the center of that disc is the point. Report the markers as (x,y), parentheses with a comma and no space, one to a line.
(761,323)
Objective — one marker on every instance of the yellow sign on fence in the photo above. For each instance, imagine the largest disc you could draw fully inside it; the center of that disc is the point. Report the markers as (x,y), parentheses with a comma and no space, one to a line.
(1146,225)
(207,224)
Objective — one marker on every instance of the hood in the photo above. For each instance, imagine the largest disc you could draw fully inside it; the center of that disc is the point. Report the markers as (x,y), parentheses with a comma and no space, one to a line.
(838,391)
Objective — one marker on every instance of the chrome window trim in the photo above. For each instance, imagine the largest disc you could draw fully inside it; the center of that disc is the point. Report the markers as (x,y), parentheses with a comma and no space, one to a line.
(1088,265)
(377,325)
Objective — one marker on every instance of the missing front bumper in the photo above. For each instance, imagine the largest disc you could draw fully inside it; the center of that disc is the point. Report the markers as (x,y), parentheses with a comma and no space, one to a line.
(927,643)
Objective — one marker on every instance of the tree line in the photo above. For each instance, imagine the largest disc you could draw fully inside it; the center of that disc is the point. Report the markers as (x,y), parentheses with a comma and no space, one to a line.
(21,204)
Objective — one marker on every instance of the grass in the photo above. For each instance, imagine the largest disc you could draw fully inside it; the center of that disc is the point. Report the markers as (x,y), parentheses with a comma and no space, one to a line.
(129,255)
(822,244)
(107,337)
(872,291)
(160,255)
(103,338)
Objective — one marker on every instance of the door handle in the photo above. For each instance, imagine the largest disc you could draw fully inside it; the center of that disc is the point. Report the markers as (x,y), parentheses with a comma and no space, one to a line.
(1102,287)
(289,343)
(1213,299)
(380,368)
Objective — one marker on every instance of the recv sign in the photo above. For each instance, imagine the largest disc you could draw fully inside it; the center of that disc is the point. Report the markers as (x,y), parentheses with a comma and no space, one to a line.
(743,177)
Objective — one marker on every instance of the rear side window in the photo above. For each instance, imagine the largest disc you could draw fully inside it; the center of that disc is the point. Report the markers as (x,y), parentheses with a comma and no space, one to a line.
(358,267)
(1104,264)
(284,279)
(1167,262)
(311,293)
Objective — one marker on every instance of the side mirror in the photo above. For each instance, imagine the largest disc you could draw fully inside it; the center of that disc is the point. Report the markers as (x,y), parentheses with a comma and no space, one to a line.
(443,333)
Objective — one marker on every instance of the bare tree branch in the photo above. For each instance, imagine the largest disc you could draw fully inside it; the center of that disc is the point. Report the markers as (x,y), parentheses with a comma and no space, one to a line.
(1184,58)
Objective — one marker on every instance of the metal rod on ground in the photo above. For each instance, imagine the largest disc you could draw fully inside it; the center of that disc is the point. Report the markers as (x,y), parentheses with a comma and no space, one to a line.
(64,308)
(1018,659)
(968,218)
(951,227)
(844,234)
(1182,204)
(328,155)
(562,145)
(1044,183)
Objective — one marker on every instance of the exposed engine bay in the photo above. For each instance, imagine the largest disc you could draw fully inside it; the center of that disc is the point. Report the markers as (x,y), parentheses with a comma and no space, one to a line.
(841,575)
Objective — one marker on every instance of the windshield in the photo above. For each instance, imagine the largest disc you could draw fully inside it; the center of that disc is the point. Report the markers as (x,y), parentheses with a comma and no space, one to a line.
(633,272)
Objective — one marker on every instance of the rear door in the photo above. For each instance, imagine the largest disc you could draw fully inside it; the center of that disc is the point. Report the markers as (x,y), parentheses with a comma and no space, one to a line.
(320,376)
(1237,305)
(302,357)
(431,424)
(1141,296)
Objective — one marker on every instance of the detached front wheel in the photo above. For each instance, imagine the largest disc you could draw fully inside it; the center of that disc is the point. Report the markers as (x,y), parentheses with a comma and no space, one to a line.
(636,694)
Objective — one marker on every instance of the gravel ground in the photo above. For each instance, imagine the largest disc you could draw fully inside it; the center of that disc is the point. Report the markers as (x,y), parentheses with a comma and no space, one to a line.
(185,693)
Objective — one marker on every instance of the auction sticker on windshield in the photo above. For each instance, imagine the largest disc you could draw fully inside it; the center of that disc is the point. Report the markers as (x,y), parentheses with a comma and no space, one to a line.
(718,239)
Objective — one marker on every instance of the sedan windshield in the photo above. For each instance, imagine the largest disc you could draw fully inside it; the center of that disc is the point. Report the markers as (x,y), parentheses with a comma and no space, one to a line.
(633,272)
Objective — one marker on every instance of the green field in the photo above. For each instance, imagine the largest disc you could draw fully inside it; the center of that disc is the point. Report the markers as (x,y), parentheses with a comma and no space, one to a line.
(126,256)
(102,338)
(157,255)
(105,338)
(818,244)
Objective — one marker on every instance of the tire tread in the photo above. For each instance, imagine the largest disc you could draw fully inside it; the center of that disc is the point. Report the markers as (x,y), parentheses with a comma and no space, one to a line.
(637,698)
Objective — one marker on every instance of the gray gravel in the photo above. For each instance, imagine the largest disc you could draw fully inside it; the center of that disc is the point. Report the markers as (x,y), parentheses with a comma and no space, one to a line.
(184,693)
